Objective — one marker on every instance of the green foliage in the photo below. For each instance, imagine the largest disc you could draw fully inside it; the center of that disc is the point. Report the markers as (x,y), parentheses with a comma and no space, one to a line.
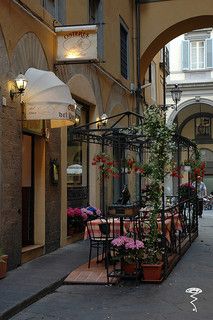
(162,146)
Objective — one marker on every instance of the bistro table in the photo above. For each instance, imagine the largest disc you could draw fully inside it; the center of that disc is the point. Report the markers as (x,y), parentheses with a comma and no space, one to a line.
(117,227)
(168,223)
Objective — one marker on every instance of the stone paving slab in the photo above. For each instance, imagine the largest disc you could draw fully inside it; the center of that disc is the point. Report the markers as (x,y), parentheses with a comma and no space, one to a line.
(36,278)
(165,301)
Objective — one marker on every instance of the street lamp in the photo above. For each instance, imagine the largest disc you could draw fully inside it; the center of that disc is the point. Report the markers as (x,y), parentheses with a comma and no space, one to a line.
(176,93)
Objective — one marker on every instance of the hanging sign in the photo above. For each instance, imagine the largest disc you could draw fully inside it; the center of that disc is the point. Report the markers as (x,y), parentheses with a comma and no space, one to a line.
(77,43)
(49,112)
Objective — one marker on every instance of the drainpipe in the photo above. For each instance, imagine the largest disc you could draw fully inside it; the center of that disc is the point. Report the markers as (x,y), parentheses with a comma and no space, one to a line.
(138,89)
(138,49)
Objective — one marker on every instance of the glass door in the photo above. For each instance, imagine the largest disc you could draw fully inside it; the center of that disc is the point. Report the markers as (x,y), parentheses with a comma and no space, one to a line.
(77,168)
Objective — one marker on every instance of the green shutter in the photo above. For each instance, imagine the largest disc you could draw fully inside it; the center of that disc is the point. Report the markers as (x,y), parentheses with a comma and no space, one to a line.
(185,55)
(209,53)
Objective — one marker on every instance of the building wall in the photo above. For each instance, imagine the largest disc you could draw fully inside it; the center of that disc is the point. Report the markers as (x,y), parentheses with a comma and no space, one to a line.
(26,42)
(171,19)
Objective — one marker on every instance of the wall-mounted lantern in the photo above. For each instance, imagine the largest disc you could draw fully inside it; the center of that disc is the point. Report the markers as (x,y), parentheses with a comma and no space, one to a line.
(21,83)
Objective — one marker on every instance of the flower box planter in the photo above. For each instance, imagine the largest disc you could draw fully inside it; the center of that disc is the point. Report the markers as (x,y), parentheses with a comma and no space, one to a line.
(3,266)
(71,231)
(152,272)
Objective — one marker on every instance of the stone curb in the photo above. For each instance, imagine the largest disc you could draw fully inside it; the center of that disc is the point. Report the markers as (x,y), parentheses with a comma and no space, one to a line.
(32,299)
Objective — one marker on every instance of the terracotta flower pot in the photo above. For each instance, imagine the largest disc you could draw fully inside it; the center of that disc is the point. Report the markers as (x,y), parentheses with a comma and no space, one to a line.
(3,266)
(152,272)
(128,268)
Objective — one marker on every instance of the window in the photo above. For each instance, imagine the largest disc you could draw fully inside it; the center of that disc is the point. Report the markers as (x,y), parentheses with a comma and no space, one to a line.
(124,51)
(96,17)
(197,51)
(203,127)
(94,11)
(57,8)
(197,55)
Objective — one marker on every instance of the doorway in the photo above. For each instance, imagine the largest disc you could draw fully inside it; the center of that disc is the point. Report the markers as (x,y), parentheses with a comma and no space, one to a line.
(78,167)
(27,190)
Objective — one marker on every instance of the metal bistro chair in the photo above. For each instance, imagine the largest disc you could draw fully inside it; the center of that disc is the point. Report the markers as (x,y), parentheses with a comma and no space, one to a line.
(99,239)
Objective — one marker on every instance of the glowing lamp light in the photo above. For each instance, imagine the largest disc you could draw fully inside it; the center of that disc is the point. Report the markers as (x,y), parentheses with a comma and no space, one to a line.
(21,83)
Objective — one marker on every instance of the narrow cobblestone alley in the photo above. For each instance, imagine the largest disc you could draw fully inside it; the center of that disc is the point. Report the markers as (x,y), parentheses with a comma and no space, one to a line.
(145,301)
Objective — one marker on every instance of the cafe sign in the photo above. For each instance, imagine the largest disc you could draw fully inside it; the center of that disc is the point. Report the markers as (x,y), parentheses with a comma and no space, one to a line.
(76,43)
(49,112)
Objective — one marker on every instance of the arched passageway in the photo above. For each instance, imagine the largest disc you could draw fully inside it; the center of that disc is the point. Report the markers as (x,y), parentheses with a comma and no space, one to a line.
(163,21)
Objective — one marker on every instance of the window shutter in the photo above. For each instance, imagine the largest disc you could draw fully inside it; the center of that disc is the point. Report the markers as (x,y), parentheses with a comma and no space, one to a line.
(185,55)
(50,6)
(209,53)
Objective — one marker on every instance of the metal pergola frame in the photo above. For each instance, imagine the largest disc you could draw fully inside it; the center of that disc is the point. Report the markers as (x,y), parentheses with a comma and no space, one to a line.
(129,138)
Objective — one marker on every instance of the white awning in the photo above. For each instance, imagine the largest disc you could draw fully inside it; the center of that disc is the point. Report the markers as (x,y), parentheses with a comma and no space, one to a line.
(47,97)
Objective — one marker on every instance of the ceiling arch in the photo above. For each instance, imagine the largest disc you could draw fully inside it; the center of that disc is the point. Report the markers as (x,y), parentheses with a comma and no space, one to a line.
(4,59)
(28,53)
(81,88)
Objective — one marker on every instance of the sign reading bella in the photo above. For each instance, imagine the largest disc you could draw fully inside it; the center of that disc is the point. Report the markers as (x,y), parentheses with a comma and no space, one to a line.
(49,111)
(77,43)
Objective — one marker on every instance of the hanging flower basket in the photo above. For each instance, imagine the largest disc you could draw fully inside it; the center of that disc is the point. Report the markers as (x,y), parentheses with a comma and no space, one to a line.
(187,168)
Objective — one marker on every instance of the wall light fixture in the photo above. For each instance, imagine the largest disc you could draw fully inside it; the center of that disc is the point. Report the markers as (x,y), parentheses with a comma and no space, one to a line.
(21,83)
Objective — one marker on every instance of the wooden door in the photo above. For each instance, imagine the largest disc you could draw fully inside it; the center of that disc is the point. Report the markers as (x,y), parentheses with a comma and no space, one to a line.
(27,191)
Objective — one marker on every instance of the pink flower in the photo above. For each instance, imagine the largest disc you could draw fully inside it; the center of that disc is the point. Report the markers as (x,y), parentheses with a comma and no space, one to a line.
(134,244)
(120,241)
(84,216)
(98,212)
(127,243)
(70,212)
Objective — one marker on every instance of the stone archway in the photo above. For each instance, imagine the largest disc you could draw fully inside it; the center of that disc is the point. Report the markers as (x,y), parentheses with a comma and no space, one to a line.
(171,117)
(165,20)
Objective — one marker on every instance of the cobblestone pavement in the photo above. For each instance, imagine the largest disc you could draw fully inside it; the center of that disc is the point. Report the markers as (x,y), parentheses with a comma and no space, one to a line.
(145,301)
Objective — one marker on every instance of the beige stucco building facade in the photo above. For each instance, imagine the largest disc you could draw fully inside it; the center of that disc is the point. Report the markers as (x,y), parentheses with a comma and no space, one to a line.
(33,209)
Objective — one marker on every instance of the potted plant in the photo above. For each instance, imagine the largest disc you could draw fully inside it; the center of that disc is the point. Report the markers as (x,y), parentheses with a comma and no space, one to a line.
(77,218)
(195,166)
(3,264)
(75,221)
(129,252)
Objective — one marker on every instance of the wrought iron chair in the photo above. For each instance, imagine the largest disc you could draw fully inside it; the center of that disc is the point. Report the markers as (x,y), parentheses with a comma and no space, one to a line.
(100,236)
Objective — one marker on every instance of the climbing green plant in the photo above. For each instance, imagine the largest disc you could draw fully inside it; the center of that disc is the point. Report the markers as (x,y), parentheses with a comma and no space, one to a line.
(161,144)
